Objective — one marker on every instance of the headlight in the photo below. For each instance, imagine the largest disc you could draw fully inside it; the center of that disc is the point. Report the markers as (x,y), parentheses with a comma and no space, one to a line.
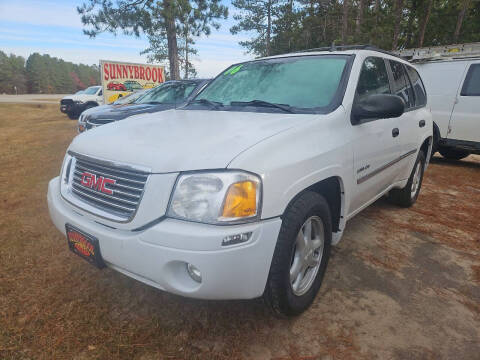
(216,197)
(66,172)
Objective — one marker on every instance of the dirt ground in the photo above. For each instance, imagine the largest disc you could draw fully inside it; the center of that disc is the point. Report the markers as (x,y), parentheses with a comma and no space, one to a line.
(402,284)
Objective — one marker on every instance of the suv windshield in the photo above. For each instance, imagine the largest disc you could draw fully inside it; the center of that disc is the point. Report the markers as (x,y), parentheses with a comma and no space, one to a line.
(91,90)
(297,83)
(130,98)
(168,93)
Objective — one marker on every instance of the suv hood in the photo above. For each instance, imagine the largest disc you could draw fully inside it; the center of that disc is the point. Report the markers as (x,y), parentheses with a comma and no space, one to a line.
(93,110)
(181,140)
(119,112)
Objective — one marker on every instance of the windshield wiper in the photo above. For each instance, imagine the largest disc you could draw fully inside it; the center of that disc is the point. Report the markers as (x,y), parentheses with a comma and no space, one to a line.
(213,104)
(284,107)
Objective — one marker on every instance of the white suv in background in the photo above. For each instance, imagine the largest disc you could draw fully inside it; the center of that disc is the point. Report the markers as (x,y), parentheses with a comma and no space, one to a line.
(242,192)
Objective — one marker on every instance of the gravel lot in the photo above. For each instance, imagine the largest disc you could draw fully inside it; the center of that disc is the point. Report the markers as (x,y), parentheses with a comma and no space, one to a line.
(402,284)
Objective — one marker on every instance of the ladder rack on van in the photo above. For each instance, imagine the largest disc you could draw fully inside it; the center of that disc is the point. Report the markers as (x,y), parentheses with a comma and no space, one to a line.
(439,53)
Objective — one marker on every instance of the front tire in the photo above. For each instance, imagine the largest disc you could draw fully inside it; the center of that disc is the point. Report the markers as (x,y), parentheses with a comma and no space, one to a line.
(301,255)
(453,154)
(407,196)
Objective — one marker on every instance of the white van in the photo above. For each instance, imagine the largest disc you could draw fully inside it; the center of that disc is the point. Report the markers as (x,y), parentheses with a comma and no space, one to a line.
(452,79)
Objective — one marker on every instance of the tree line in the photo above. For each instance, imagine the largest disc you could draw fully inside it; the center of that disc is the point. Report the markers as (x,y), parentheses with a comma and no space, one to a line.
(290,25)
(44,74)
(279,26)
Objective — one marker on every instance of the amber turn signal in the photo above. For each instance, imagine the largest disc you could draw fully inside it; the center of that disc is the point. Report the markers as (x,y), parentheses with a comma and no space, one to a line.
(241,200)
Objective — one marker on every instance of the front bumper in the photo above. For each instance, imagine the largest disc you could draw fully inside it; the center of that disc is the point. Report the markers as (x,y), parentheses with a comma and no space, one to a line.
(72,108)
(158,255)
(65,108)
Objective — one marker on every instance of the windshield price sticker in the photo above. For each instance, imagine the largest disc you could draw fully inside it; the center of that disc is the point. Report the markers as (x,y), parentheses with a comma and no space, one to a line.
(233,70)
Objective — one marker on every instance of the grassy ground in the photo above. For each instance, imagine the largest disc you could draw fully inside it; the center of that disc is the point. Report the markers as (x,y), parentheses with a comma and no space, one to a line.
(403,284)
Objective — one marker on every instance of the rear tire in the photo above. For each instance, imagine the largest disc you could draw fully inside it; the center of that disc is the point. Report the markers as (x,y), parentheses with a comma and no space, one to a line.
(453,154)
(407,196)
(301,255)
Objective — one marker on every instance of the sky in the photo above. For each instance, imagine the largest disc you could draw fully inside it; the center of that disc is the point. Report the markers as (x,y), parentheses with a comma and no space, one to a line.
(54,27)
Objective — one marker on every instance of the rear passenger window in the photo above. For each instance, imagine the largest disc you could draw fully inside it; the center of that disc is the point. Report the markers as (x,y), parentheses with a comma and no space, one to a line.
(471,86)
(418,88)
(401,85)
(373,78)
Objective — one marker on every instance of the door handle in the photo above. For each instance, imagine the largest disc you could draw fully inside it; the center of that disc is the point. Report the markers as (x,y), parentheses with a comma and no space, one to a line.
(421,123)
(395,132)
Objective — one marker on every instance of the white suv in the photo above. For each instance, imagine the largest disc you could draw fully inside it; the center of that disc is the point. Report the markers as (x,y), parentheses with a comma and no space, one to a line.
(242,192)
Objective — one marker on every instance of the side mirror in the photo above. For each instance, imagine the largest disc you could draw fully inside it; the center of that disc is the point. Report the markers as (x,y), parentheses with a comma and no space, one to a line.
(377,106)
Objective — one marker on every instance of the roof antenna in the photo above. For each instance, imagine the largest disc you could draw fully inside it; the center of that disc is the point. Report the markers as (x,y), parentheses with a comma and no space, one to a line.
(333,47)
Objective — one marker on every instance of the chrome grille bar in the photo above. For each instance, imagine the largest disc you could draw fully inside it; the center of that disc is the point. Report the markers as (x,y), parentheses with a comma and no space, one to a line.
(107,196)
(138,179)
(97,122)
(127,186)
(136,196)
(95,200)
(133,189)
(79,170)
(115,170)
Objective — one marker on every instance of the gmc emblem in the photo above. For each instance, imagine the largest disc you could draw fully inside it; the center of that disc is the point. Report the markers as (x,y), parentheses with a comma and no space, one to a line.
(97,183)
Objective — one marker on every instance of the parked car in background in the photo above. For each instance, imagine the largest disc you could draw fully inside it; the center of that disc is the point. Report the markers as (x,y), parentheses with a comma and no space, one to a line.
(132,85)
(163,97)
(124,100)
(117,86)
(241,192)
(452,78)
(149,85)
(74,105)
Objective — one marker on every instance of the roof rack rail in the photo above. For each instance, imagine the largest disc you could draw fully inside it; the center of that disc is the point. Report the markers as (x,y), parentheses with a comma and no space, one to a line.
(438,53)
(334,47)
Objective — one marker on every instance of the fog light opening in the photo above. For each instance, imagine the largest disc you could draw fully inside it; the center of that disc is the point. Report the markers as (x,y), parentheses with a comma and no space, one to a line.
(194,273)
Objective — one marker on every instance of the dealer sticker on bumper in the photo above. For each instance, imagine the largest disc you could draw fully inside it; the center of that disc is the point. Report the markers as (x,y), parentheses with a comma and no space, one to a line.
(84,245)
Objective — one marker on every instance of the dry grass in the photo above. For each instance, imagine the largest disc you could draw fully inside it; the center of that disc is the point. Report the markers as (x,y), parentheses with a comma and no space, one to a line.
(401,285)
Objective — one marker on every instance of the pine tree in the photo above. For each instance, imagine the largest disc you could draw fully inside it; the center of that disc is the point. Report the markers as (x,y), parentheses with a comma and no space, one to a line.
(159,20)
(256,16)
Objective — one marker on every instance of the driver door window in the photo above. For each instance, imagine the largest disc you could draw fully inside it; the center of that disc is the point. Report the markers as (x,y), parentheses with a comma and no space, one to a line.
(373,78)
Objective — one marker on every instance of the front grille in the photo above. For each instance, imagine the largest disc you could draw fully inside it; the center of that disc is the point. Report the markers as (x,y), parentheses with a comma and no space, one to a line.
(126,193)
(93,123)
(66,102)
